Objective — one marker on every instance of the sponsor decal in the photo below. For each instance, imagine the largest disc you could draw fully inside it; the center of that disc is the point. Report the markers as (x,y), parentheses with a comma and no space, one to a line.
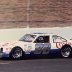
(29,48)
(28,51)
(60,44)
(5,44)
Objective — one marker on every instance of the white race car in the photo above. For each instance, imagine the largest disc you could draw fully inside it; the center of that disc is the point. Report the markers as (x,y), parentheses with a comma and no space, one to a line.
(36,44)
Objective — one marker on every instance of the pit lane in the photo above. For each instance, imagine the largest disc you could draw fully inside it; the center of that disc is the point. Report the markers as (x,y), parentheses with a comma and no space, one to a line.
(37,65)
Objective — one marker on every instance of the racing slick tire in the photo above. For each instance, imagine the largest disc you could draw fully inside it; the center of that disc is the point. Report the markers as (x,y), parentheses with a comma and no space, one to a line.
(16,53)
(66,51)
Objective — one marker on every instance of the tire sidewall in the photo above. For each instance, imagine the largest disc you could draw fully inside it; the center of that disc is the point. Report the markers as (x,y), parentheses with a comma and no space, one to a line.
(13,50)
(65,47)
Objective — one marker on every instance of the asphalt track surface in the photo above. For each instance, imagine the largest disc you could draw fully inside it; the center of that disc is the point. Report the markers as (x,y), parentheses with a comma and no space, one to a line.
(37,65)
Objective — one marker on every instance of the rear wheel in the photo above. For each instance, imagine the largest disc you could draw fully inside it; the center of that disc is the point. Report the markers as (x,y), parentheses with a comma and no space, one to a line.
(16,53)
(66,51)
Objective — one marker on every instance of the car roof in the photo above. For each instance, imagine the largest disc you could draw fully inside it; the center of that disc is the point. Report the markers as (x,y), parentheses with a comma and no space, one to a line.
(43,34)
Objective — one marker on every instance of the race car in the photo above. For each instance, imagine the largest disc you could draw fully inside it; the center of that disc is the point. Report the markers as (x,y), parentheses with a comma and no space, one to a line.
(36,44)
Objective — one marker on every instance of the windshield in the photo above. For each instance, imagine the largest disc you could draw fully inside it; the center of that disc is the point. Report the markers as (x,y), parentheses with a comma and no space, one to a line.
(28,38)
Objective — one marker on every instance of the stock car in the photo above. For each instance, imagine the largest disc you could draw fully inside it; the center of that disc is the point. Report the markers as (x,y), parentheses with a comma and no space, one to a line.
(36,44)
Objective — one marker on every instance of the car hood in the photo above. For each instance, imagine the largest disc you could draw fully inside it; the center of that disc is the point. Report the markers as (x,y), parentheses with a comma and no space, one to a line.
(11,43)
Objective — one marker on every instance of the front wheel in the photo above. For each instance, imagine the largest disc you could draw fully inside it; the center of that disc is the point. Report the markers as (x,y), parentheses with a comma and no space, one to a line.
(16,53)
(66,51)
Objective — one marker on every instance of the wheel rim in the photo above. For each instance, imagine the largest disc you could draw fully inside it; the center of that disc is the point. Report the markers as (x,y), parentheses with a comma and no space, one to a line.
(66,52)
(17,54)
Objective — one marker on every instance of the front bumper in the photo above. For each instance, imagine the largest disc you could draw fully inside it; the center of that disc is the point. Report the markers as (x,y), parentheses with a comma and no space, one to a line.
(2,54)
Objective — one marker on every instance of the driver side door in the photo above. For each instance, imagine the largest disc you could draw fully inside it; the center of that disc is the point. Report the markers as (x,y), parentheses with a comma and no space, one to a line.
(42,45)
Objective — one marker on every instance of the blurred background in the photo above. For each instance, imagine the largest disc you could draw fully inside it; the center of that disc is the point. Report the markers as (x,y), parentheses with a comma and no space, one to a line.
(35,13)
(18,17)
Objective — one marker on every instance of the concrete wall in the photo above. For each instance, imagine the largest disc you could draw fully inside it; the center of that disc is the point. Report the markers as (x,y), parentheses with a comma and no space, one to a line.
(15,34)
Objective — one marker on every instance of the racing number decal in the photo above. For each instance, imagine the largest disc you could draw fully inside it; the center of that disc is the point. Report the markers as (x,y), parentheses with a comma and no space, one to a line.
(42,48)
(38,48)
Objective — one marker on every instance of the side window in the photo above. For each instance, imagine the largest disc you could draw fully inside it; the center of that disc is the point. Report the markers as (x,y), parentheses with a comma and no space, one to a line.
(58,39)
(42,39)
(46,39)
